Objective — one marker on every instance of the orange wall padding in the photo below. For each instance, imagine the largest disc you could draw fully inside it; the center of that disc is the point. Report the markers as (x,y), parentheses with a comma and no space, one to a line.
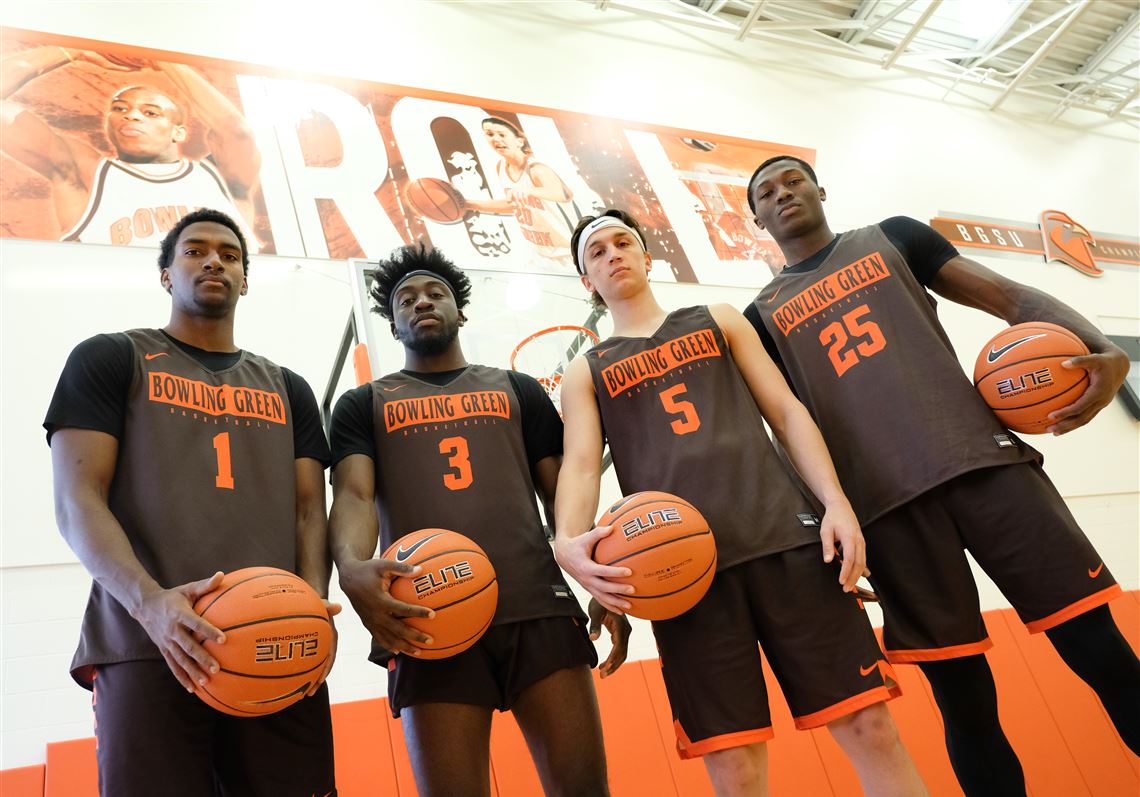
(1065,741)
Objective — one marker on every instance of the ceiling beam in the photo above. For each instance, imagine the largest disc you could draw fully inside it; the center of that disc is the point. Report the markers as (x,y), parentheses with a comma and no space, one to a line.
(1120,106)
(1033,30)
(1005,28)
(864,11)
(751,18)
(883,20)
(1123,34)
(1077,11)
(910,34)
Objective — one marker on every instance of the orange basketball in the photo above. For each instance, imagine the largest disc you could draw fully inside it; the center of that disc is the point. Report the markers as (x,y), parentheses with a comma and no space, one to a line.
(1019,374)
(669,547)
(457,580)
(278,640)
(434,199)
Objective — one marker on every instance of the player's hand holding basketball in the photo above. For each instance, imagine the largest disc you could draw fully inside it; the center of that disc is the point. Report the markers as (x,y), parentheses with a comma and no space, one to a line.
(619,629)
(575,555)
(1107,371)
(333,609)
(367,583)
(839,530)
(169,619)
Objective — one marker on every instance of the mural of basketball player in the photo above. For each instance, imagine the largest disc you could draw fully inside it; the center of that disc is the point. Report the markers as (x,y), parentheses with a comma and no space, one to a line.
(536,196)
(138,194)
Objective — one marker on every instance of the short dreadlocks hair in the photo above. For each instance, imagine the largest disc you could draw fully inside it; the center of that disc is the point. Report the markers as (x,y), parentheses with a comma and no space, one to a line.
(417,257)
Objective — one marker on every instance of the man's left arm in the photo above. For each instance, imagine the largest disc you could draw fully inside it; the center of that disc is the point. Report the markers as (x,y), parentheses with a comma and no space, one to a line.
(313,561)
(970,283)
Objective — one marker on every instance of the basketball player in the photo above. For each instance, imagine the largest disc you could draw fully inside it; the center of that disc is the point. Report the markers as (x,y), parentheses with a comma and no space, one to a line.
(537,197)
(135,197)
(680,397)
(177,455)
(930,469)
(485,442)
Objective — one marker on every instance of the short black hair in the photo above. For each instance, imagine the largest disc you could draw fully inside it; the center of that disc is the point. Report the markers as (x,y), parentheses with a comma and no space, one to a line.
(751,180)
(595,298)
(416,257)
(166,252)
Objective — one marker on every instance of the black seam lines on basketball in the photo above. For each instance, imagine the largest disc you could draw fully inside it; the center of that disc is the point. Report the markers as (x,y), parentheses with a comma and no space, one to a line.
(299,689)
(445,553)
(206,608)
(1073,386)
(1003,366)
(656,545)
(275,618)
(704,572)
(263,677)
(472,595)
(624,508)
(477,634)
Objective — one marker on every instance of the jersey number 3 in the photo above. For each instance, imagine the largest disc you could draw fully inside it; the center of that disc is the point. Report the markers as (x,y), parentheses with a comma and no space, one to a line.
(868,337)
(458,458)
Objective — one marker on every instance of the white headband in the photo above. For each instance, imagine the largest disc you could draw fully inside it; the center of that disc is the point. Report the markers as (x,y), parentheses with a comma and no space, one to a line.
(601,223)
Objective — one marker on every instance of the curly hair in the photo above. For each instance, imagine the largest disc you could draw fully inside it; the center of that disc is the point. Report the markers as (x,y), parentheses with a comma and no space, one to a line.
(417,257)
(596,299)
(166,251)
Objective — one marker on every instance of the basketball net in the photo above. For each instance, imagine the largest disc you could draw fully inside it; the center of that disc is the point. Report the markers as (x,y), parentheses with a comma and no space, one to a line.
(546,353)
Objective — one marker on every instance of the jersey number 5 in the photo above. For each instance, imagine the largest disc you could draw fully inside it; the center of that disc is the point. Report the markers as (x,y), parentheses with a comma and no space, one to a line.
(836,336)
(689,420)
(459,458)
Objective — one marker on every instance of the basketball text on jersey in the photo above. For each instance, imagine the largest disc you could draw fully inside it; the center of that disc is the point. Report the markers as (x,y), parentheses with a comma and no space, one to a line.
(656,362)
(243,402)
(830,290)
(451,407)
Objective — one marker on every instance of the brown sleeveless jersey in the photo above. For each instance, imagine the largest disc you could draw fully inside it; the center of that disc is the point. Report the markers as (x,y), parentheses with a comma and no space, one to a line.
(863,349)
(452,456)
(204,481)
(680,418)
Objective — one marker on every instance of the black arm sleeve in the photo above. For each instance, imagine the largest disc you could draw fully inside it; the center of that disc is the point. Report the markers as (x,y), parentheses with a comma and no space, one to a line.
(753,316)
(93,387)
(352,425)
(308,434)
(923,248)
(542,428)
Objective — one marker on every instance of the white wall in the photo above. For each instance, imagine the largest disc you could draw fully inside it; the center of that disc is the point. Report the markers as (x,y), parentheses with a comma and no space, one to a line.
(883,149)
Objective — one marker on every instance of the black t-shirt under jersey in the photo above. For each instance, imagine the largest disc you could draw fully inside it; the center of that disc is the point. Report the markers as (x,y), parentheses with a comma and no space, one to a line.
(352,421)
(923,248)
(92,392)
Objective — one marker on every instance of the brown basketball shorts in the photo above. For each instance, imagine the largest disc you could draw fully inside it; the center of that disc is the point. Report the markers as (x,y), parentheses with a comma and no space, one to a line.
(815,636)
(1015,524)
(153,737)
(503,664)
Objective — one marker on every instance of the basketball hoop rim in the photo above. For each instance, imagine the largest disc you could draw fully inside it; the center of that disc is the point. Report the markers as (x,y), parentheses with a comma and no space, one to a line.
(557,328)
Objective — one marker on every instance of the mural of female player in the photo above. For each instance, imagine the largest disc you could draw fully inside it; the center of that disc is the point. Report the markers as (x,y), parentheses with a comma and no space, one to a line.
(536,196)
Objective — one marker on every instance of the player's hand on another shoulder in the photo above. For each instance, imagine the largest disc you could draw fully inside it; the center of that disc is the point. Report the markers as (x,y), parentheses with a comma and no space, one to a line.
(575,555)
(1107,371)
(333,609)
(367,583)
(619,628)
(841,536)
(169,619)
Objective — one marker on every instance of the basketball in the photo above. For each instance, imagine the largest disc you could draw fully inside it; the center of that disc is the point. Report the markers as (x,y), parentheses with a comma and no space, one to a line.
(434,199)
(669,547)
(278,640)
(457,581)
(1020,377)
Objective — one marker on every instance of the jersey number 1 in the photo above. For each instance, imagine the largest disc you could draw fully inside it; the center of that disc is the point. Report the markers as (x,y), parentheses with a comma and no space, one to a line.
(225,478)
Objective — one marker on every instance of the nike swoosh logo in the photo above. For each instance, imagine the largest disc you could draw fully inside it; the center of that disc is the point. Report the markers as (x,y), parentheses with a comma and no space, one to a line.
(1095,573)
(865,671)
(774,295)
(600,353)
(993,355)
(393,389)
(152,356)
(401,554)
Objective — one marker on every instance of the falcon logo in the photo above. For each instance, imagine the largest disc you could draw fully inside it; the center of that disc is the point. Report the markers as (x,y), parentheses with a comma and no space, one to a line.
(401,554)
(993,355)
(1068,242)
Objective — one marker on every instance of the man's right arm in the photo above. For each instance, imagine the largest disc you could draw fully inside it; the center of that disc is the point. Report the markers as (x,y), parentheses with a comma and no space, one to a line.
(576,499)
(83,465)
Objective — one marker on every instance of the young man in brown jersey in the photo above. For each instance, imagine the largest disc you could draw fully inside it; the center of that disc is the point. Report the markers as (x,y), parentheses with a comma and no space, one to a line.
(931,472)
(690,415)
(478,475)
(159,484)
